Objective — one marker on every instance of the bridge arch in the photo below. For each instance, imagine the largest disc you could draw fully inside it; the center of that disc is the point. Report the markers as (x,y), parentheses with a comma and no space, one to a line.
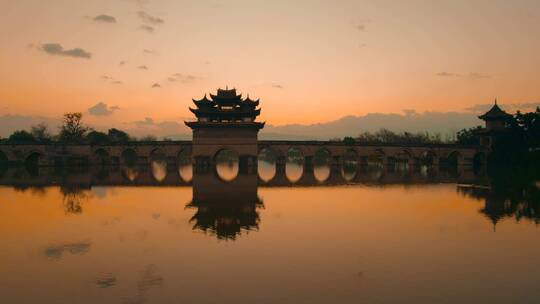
(33,158)
(3,158)
(322,160)
(294,167)
(158,164)
(429,158)
(479,162)
(267,163)
(101,157)
(349,164)
(184,161)
(129,157)
(157,154)
(227,164)
(454,158)
(130,173)
(377,158)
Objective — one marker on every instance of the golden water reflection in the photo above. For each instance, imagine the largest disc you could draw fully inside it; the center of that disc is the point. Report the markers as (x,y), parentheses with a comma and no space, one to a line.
(358,243)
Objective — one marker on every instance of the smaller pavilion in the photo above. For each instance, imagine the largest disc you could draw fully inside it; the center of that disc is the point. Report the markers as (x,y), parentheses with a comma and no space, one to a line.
(496,122)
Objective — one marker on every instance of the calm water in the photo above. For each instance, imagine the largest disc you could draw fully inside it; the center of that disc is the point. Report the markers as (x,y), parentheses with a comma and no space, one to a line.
(154,235)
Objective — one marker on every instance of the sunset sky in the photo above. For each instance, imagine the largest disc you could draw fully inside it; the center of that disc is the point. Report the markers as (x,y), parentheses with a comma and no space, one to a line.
(123,62)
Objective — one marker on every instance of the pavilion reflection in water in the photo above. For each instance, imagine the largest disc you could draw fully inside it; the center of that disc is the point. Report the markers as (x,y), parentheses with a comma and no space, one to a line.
(520,202)
(224,208)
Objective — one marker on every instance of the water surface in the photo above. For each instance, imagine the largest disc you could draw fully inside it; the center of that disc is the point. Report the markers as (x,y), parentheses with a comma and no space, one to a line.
(249,241)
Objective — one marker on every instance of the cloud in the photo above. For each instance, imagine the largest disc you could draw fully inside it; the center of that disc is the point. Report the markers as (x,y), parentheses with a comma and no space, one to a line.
(57,251)
(106,280)
(146,28)
(147,18)
(277,86)
(146,122)
(445,123)
(102,109)
(57,50)
(447,74)
(183,78)
(508,107)
(148,51)
(139,2)
(142,67)
(10,123)
(475,75)
(156,85)
(110,79)
(167,128)
(105,19)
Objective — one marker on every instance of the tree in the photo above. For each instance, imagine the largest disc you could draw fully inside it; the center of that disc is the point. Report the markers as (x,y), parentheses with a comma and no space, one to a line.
(22,136)
(149,138)
(97,138)
(468,136)
(348,140)
(41,133)
(72,129)
(117,136)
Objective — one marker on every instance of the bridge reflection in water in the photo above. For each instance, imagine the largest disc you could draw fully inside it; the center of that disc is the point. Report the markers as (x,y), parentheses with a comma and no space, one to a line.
(225,198)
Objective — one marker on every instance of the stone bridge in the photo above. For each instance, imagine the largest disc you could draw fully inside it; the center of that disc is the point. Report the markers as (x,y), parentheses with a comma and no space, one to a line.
(157,177)
(141,153)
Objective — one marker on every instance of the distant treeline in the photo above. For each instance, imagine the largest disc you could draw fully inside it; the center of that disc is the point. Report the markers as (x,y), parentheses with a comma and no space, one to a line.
(523,132)
(72,130)
(385,136)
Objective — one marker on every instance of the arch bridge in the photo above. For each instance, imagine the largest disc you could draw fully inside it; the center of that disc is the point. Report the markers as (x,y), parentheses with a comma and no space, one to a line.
(140,153)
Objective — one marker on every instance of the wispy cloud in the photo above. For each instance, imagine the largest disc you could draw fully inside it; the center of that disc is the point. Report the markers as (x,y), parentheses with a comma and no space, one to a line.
(508,107)
(476,75)
(471,75)
(139,2)
(146,28)
(173,128)
(277,86)
(111,79)
(104,18)
(57,251)
(447,74)
(149,51)
(183,78)
(142,67)
(102,109)
(147,18)
(156,85)
(57,49)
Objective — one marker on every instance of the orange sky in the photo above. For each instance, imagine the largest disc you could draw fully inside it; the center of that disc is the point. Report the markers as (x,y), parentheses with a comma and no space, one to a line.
(309,61)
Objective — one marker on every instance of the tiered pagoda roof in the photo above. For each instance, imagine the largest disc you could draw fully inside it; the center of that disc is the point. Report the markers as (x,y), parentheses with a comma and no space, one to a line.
(225,107)
(495,113)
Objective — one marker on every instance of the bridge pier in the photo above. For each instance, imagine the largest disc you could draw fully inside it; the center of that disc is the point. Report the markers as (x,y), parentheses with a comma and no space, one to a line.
(281,165)
(308,174)
(335,168)
(247,164)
